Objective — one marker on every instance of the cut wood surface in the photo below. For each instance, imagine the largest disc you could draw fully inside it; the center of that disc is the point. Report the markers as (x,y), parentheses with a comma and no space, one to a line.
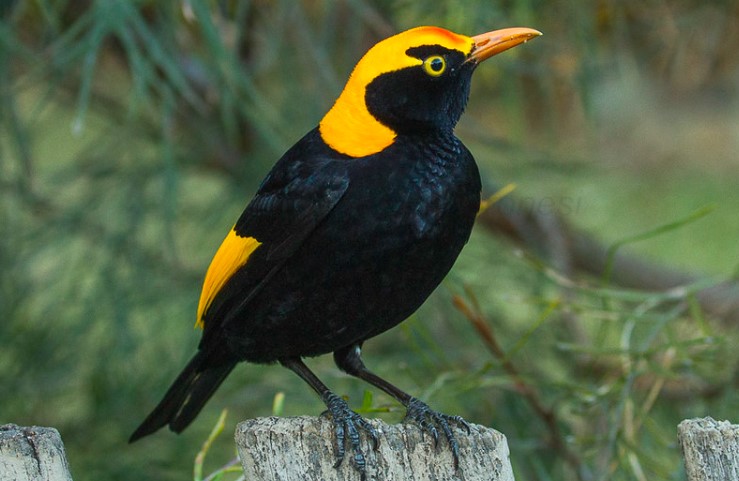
(303,449)
(32,454)
(710,449)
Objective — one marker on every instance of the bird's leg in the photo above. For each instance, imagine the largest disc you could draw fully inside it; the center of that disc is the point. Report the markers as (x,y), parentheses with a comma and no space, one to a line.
(347,423)
(349,360)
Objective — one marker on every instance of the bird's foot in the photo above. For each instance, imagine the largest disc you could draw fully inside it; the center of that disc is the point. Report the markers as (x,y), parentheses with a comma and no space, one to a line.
(431,421)
(347,425)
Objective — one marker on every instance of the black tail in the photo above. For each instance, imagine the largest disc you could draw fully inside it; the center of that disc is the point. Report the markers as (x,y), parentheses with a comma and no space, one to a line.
(186,397)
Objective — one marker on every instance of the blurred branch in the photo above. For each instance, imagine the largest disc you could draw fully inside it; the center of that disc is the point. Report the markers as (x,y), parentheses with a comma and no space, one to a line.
(529,391)
(571,250)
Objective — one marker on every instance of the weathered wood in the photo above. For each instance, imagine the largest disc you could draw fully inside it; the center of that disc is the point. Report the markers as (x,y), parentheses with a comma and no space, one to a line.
(32,454)
(302,449)
(710,449)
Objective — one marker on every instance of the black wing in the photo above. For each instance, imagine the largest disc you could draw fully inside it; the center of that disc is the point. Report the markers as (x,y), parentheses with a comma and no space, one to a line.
(292,201)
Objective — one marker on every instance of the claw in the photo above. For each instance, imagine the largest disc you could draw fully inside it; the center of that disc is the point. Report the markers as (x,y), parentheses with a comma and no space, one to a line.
(347,424)
(460,420)
(429,420)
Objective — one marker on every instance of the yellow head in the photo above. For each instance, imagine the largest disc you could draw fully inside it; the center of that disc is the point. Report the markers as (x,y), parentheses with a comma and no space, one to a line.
(416,78)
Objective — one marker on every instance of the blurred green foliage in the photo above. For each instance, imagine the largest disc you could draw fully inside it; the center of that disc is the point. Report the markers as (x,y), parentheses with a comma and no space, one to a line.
(132,133)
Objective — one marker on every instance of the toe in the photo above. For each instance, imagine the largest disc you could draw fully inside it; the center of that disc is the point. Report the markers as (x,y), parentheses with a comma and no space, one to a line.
(347,427)
(432,421)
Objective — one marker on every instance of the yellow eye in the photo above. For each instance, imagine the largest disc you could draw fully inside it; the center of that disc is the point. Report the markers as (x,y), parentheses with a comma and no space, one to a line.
(435,65)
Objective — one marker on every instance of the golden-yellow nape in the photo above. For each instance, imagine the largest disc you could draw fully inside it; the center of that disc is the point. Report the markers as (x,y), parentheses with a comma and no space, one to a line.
(349,127)
(230,257)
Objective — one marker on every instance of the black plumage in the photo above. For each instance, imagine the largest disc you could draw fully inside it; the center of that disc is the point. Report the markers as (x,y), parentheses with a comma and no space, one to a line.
(348,245)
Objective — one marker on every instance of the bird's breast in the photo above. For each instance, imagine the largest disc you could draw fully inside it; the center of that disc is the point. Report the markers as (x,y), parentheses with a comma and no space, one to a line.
(419,189)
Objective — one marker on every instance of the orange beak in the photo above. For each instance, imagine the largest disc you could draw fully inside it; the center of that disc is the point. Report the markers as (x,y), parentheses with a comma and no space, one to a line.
(492,43)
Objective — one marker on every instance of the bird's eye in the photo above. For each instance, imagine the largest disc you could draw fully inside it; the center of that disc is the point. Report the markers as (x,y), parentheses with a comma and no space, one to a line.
(435,65)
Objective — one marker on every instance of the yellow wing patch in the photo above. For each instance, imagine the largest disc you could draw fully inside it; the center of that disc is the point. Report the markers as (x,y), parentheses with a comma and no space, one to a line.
(349,127)
(233,254)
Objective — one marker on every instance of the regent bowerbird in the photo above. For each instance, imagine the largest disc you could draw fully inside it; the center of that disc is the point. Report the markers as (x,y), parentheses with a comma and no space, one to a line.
(348,234)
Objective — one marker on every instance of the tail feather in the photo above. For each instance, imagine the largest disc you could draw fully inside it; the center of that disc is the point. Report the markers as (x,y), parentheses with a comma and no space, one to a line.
(186,397)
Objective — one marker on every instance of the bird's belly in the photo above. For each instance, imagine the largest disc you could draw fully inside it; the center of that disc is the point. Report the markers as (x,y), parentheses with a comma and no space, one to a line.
(340,289)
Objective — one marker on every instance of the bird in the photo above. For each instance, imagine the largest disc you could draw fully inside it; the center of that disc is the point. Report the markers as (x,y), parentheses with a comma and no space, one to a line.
(348,234)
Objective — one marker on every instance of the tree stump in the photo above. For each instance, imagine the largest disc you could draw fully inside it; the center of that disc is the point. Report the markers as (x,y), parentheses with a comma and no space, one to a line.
(302,449)
(710,449)
(32,454)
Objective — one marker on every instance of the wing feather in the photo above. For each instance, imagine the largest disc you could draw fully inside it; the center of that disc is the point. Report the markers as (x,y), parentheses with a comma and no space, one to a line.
(231,256)
(292,201)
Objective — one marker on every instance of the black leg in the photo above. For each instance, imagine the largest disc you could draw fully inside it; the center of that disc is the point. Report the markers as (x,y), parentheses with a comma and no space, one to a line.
(349,360)
(347,423)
